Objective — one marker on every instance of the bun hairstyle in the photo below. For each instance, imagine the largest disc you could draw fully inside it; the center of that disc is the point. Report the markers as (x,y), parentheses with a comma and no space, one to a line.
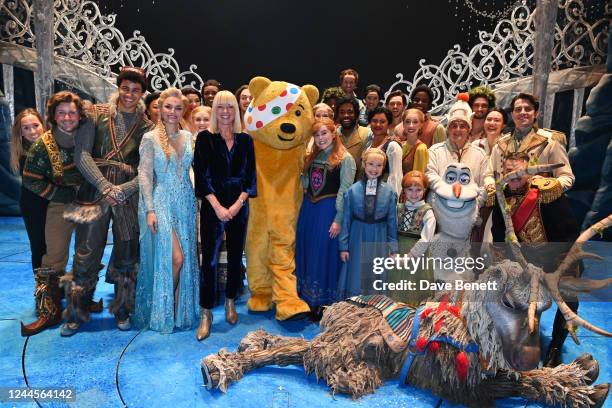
(373,151)
(414,111)
(199,109)
(415,178)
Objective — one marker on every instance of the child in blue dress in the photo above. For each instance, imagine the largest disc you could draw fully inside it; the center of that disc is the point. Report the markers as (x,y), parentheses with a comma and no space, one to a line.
(369,227)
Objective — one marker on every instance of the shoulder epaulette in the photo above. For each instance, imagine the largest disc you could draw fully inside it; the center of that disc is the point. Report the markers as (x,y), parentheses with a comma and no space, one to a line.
(544,132)
(555,135)
(550,189)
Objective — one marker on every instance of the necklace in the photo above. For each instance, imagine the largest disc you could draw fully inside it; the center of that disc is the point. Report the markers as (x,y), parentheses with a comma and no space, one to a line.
(174,135)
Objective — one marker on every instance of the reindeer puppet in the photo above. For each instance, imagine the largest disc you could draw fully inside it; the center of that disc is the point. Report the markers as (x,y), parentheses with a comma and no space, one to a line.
(470,347)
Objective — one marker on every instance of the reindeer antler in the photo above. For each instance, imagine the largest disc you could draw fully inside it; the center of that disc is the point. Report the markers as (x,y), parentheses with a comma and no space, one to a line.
(575,254)
(511,237)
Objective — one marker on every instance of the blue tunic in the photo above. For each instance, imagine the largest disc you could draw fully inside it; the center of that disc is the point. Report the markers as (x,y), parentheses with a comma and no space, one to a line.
(366,236)
(166,189)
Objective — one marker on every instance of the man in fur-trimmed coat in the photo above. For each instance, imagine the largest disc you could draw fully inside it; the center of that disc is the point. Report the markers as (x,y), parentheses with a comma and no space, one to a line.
(106,153)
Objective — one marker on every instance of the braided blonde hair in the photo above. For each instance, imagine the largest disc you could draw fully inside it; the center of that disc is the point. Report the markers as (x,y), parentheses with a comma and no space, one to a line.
(160,128)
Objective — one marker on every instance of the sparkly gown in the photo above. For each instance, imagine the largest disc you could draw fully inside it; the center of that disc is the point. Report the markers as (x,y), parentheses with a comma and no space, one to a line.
(165,188)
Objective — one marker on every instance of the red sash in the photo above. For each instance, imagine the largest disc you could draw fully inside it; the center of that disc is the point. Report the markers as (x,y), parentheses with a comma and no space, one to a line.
(525,209)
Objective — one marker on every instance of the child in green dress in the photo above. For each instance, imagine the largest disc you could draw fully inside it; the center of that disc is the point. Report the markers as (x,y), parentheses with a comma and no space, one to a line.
(416,226)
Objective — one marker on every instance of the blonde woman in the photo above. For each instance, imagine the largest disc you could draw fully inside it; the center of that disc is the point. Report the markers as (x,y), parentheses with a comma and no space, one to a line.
(200,120)
(167,286)
(224,166)
(414,152)
(323,110)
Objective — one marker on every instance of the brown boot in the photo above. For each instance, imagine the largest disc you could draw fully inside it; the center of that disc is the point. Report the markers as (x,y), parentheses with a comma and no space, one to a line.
(205,323)
(48,302)
(96,307)
(230,311)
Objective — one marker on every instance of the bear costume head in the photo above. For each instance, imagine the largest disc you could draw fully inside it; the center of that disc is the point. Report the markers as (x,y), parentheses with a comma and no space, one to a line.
(280,114)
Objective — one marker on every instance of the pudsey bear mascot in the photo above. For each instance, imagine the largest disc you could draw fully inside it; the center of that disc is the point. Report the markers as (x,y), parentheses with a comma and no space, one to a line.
(279,119)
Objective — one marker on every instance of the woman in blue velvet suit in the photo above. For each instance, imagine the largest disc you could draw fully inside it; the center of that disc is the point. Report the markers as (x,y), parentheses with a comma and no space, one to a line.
(224,167)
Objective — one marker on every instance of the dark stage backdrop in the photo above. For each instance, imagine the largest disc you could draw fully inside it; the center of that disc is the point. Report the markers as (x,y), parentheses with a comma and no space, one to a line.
(306,42)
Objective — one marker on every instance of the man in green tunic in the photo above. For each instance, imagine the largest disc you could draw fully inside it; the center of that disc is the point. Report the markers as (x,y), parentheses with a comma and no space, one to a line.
(107,155)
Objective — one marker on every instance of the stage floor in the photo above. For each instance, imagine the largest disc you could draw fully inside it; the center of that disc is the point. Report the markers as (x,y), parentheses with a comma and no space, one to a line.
(110,368)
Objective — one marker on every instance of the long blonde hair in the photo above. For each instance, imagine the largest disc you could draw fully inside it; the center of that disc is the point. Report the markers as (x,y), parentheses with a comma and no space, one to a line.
(160,128)
(17,149)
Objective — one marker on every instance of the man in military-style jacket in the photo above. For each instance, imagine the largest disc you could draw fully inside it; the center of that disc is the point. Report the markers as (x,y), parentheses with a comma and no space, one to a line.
(544,225)
(541,145)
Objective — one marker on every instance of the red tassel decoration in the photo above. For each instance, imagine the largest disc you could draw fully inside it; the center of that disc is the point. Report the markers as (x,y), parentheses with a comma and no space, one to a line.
(434,346)
(463,365)
(426,312)
(442,306)
(421,343)
(454,310)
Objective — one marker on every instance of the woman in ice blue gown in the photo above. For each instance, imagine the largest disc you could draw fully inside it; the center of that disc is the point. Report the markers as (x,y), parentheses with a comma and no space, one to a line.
(167,289)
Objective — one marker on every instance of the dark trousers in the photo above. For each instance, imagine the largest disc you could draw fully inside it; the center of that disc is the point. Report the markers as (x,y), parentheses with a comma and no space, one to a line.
(34,212)
(90,242)
(211,236)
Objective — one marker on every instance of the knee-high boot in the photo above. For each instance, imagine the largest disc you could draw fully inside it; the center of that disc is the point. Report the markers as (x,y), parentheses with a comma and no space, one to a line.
(48,301)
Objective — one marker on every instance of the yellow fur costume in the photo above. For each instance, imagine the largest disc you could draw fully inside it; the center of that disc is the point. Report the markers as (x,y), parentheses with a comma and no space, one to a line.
(279,119)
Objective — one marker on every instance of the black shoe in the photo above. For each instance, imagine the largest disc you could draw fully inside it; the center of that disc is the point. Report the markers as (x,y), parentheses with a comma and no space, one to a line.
(316,313)
(553,357)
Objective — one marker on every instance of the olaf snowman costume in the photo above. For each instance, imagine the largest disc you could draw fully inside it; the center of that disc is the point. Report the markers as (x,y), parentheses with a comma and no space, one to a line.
(455,205)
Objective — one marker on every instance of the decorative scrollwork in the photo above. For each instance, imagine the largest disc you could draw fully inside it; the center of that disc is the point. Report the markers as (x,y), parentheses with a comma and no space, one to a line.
(508,52)
(15,22)
(83,33)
